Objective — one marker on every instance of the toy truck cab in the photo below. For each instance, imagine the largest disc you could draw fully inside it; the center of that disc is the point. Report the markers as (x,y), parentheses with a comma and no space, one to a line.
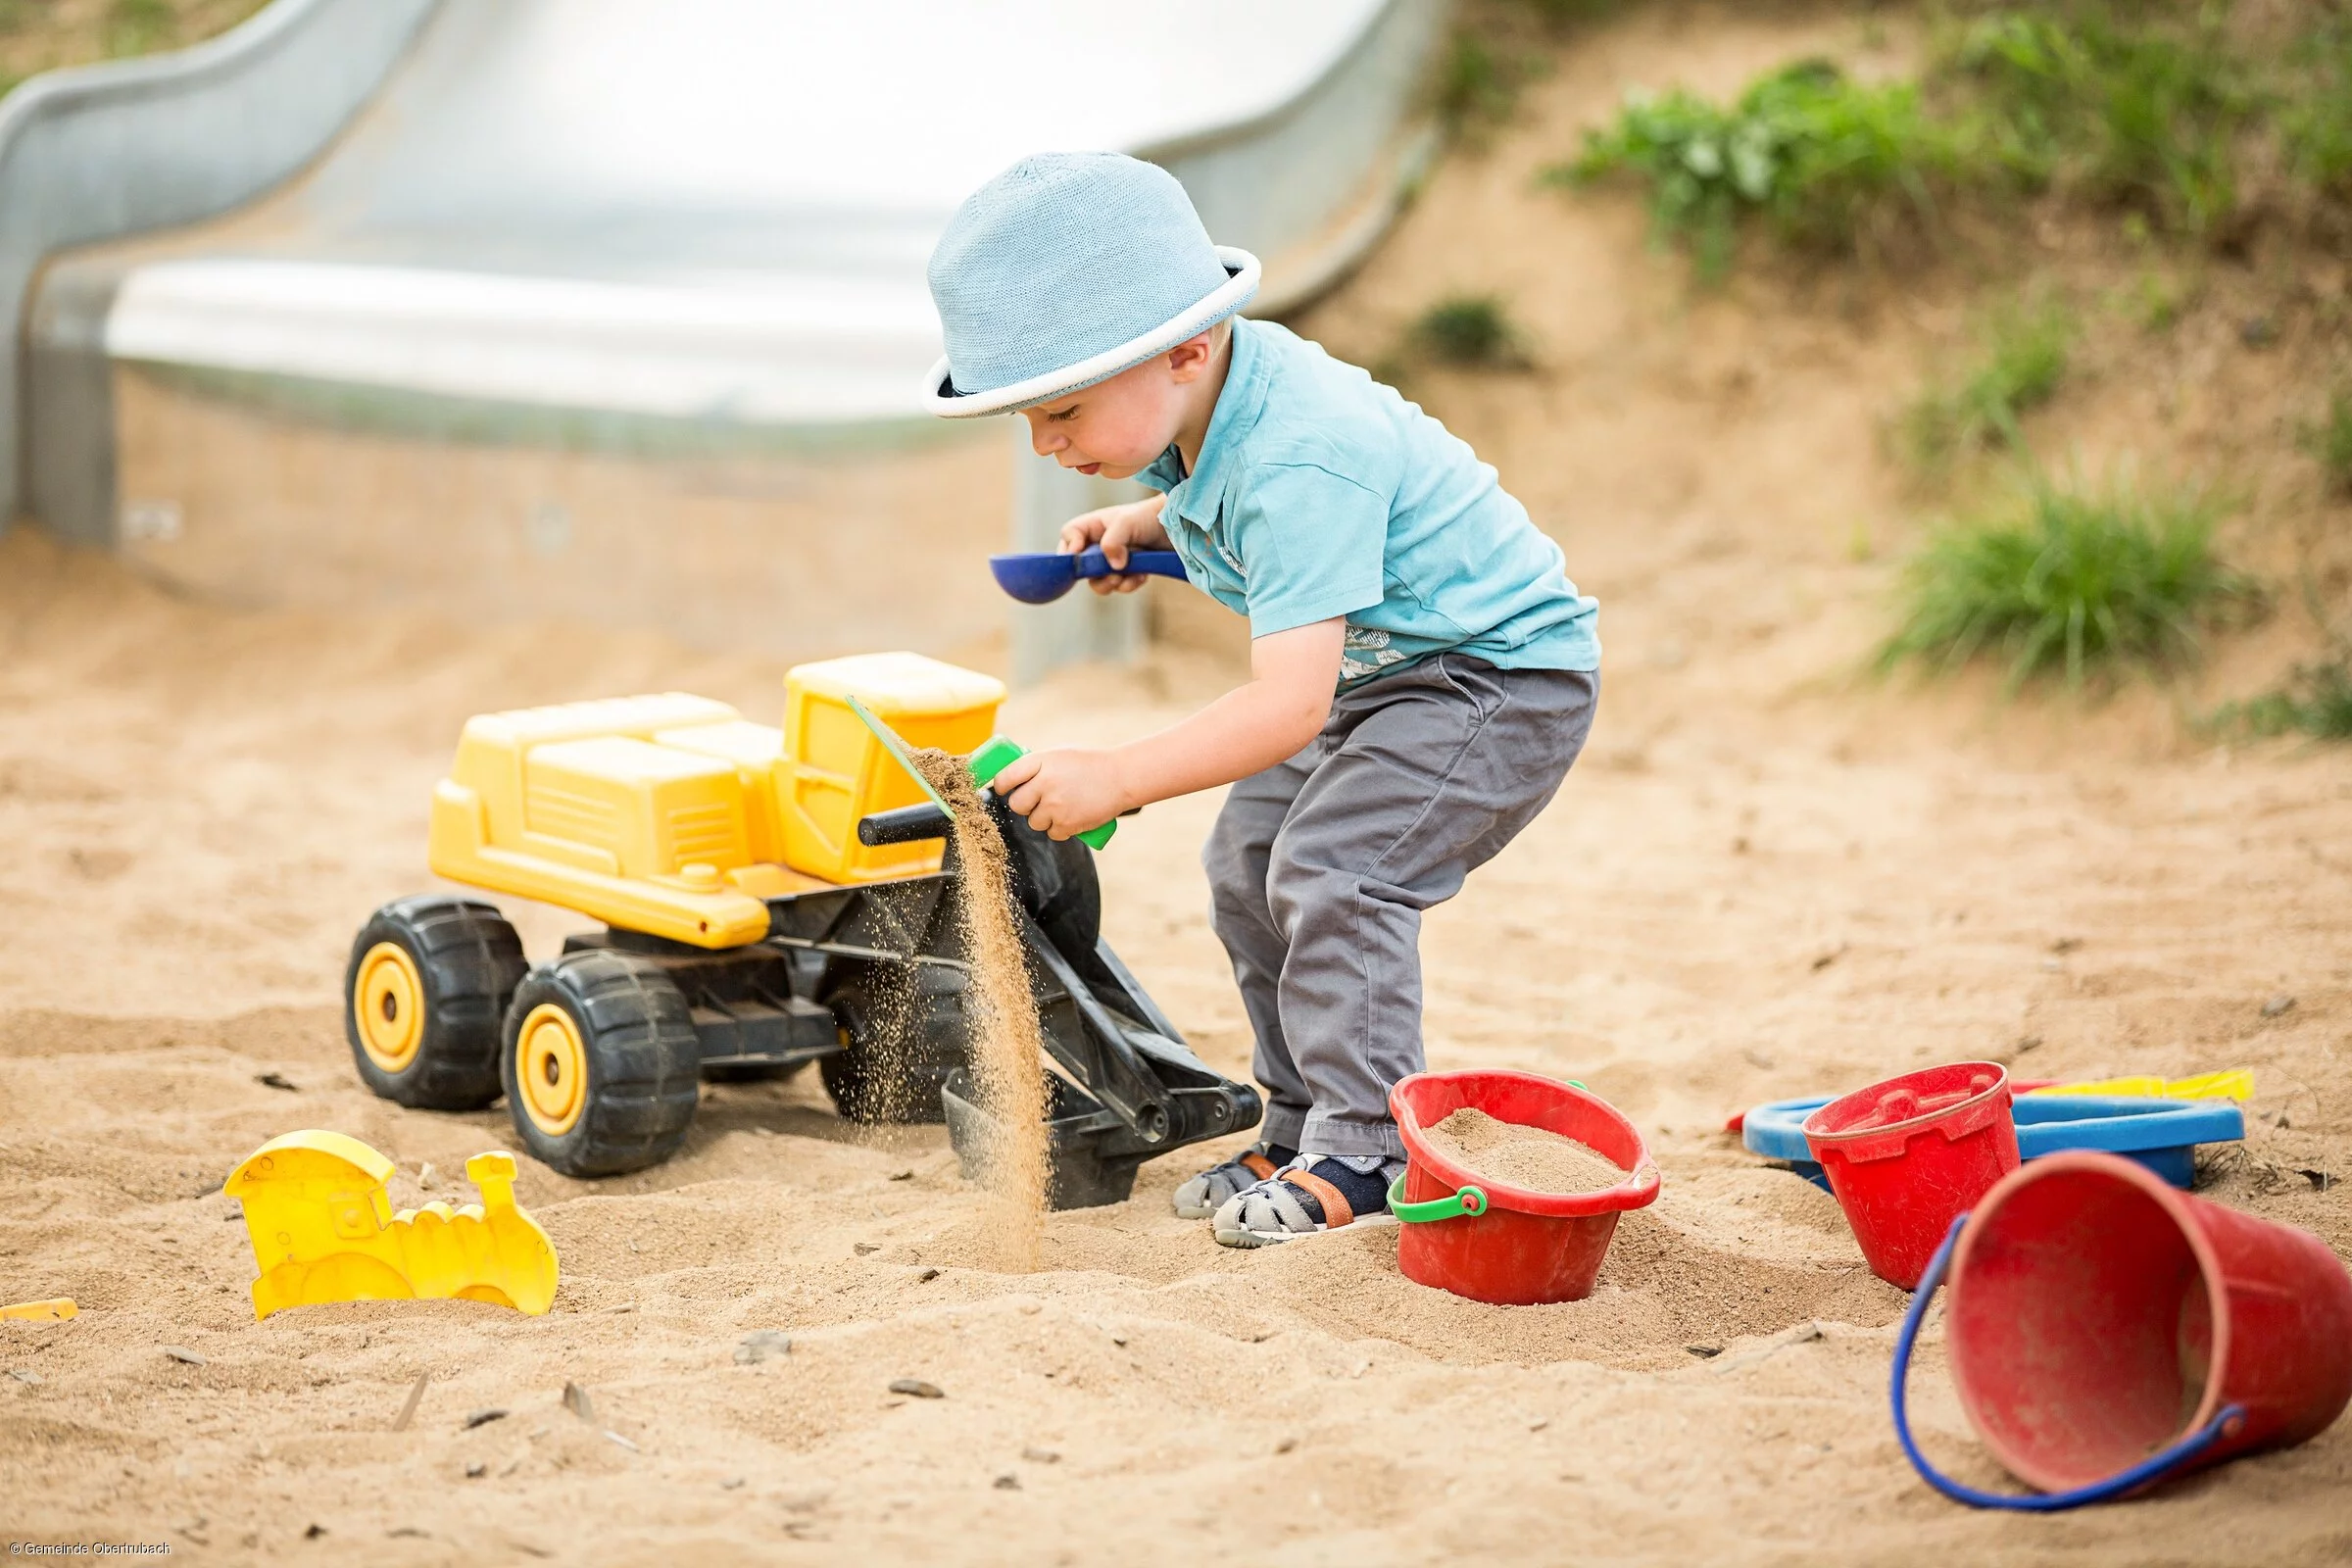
(749,931)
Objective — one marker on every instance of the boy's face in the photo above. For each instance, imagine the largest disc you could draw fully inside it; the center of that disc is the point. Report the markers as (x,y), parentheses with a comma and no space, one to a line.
(1117,428)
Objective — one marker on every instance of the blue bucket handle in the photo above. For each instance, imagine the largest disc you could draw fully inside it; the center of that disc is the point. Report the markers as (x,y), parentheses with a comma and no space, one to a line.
(2156,1464)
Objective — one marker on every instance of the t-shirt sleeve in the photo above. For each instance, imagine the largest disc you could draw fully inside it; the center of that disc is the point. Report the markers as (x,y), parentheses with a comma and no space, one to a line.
(1313,544)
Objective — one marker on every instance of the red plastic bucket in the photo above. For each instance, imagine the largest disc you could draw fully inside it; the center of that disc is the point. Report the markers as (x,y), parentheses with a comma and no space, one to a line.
(2108,1330)
(1490,1241)
(1905,1157)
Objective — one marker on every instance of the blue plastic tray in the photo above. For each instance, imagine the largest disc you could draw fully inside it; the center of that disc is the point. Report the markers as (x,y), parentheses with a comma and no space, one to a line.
(2160,1134)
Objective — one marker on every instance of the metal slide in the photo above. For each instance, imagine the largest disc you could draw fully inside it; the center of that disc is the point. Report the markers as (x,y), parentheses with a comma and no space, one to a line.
(585,271)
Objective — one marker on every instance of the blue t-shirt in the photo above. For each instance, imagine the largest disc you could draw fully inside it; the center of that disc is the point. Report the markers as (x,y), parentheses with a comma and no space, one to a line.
(1321,493)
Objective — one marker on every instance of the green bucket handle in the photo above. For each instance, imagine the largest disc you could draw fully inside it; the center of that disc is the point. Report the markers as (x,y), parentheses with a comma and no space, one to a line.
(1470,1200)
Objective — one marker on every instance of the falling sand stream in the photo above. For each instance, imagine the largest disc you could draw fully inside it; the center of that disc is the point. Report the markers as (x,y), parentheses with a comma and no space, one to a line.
(1007,1053)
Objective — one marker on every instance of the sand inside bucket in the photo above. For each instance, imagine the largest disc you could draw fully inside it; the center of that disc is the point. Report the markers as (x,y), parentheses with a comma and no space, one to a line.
(1523,1157)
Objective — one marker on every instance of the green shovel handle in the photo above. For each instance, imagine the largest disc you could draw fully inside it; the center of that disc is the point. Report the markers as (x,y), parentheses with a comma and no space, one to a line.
(1470,1200)
(989,759)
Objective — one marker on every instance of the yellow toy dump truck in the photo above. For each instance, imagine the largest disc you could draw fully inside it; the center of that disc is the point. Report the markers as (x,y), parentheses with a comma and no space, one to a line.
(770,898)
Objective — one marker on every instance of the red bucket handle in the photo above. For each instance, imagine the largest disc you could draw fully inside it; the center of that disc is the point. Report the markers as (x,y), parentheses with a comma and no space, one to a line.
(2224,1422)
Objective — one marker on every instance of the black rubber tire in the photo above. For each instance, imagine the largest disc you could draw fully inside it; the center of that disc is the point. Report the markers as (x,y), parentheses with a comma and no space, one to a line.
(643,1063)
(901,1035)
(470,961)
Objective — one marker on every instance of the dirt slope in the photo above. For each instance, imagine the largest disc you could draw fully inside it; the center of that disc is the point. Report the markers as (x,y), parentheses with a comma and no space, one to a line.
(1766,877)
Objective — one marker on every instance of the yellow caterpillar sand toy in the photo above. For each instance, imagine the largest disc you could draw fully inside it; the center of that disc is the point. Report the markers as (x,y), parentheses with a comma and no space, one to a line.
(323,1230)
(770,896)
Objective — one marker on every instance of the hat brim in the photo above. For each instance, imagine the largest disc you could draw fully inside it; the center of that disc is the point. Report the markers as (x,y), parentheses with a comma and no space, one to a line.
(942,398)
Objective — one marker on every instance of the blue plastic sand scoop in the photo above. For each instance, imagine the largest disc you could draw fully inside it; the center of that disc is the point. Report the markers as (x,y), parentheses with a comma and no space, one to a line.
(1042,578)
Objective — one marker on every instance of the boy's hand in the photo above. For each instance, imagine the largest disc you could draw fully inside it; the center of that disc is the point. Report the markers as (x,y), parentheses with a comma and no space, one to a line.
(1063,793)
(1134,525)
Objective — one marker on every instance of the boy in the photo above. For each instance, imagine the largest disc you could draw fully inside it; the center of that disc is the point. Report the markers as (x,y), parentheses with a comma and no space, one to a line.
(1423,673)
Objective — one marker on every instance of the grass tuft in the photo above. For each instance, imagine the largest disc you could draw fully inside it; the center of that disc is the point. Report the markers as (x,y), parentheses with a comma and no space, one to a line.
(2316,702)
(2131,105)
(1498,47)
(140,27)
(2329,440)
(1474,87)
(2136,111)
(2156,302)
(1829,159)
(2317,119)
(2076,582)
(1469,331)
(2024,358)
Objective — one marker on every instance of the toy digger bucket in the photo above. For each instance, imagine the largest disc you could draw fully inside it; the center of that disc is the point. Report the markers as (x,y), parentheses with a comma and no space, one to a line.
(2108,1332)
(1081,1171)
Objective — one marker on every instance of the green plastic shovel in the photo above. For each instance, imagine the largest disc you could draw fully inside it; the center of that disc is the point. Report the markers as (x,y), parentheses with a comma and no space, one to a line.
(986,764)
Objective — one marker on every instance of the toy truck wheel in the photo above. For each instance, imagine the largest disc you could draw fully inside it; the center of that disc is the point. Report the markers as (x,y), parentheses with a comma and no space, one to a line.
(601,1063)
(424,997)
(901,1036)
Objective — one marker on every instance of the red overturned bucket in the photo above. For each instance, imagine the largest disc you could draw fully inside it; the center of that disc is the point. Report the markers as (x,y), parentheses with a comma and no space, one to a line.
(2108,1330)
(1489,1239)
(1905,1157)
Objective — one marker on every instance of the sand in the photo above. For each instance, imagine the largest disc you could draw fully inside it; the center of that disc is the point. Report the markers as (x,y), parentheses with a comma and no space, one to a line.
(1007,1051)
(1769,876)
(1524,1156)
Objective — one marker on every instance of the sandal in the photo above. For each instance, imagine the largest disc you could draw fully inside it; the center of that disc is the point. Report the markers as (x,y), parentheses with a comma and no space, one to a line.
(1296,1201)
(1206,1193)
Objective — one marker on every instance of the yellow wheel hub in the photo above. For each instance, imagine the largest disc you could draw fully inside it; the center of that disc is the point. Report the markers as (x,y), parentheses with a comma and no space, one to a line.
(388,1006)
(550,1066)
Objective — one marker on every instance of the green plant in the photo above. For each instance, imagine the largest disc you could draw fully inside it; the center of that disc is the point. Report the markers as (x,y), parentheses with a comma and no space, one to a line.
(1498,47)
(2330,439)
(1831,161)
(2074,581)
(2317,122)
(1469,331)
(140,27)
(2156,302)
(1472,84)
(2024,359)
(2316,701)
(2137,107)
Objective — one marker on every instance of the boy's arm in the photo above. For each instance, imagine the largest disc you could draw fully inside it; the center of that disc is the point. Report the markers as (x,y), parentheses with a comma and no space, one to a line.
(1293,675)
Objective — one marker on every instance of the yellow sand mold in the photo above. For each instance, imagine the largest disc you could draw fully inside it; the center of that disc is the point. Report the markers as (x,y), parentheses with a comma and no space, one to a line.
(323,1230)
(2237,1083)
(50,1311)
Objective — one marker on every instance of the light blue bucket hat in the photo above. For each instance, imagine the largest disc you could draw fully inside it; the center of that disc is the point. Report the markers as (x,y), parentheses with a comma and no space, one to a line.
(1066,269)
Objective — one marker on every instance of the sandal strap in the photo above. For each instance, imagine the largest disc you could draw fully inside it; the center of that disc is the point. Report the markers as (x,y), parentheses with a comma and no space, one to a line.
(1257,1164)
(1336,1212)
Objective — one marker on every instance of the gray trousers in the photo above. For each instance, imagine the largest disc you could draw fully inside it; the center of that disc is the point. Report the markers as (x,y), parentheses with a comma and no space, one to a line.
(1319,868)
